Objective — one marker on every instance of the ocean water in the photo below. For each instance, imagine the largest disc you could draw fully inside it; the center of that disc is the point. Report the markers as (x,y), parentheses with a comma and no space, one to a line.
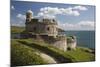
(84,38)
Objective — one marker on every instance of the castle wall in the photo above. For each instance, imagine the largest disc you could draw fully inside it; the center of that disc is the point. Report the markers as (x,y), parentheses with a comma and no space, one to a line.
(42,29)
(72,43)
(46,30)
(61,44)
(58,42)
(51,30)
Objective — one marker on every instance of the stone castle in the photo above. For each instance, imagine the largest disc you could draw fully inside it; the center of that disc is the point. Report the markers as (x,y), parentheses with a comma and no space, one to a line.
(48,31)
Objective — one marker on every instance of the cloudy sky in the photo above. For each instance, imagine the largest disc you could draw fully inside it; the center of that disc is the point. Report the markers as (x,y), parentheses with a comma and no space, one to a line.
(69,16)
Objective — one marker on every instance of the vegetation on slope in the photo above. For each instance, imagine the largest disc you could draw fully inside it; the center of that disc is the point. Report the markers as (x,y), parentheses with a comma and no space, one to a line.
(81,55)
(24,55)
(16,29)
(23,52)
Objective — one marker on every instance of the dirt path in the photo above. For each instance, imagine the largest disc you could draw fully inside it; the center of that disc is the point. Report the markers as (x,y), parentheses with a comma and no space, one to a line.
(47,58)
(47,54)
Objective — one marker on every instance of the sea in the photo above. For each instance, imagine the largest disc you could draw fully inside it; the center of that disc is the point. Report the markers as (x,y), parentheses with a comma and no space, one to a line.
(84,38)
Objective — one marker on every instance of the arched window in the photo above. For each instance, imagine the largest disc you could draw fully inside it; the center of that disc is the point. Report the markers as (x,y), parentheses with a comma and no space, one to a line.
(34,28)
(48,28)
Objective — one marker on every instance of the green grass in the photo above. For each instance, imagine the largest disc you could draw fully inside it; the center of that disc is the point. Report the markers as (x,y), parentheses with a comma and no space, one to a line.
(16,29)
(81,55)
(59,55)
(24,55)
(23,52)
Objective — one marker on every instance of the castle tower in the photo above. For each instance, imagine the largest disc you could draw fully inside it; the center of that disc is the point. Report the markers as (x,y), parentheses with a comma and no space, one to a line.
(29,15)
(72,42)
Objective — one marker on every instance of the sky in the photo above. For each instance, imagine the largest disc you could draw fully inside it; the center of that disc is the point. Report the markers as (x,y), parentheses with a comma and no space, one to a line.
(68,16)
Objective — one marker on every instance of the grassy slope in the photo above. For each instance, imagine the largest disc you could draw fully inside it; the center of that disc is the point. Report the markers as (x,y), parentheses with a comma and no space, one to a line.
(81,55)
(23,53)
(16,29)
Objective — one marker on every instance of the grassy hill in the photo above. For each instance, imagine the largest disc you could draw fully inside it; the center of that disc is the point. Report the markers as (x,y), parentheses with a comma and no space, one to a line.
(27,52)
(16,29)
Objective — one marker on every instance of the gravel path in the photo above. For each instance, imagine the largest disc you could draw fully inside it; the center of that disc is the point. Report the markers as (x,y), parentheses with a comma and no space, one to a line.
(47,58)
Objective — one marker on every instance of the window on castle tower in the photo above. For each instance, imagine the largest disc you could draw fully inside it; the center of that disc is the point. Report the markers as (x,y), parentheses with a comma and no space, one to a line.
(34,28)
(48,28)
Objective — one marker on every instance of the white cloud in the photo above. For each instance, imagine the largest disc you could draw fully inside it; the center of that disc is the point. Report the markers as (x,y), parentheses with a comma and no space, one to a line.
(21,16)
(80,8)
(50,10)
(82,25)
(69,11)
(12,7)
(42,15)
(20,20)
(53,11)
(87,23)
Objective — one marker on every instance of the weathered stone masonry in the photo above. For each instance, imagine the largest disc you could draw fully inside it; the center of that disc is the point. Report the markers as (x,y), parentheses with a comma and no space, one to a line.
(47,30)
